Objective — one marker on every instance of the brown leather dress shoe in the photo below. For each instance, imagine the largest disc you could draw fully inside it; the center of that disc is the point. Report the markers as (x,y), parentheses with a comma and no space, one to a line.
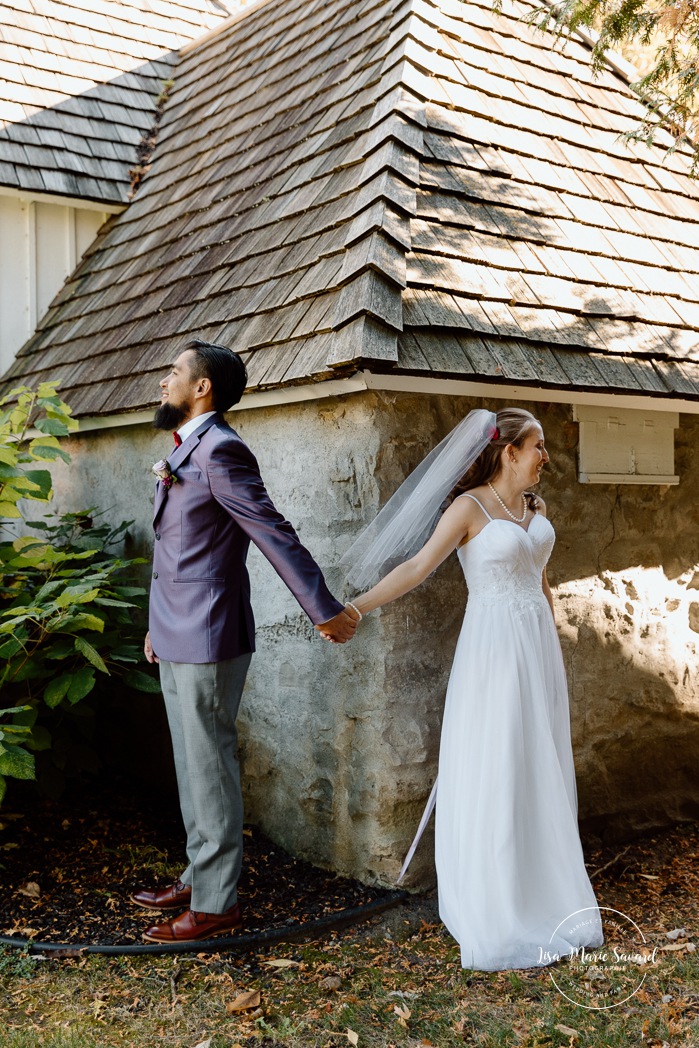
(174,897)
(193,926)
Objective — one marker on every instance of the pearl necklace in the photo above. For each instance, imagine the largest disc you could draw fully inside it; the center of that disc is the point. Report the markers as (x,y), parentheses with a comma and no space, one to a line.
(519,520)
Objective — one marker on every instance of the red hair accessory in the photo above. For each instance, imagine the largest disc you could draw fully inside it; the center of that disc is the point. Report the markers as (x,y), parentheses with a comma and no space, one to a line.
(495,434)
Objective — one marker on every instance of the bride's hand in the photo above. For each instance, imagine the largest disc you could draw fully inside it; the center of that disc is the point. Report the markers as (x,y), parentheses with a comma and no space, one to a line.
(340,628)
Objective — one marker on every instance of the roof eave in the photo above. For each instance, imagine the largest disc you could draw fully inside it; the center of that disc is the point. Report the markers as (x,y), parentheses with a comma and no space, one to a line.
(396,381)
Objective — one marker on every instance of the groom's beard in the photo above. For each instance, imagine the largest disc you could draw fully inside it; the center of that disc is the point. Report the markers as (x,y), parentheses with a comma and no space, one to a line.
(170,416)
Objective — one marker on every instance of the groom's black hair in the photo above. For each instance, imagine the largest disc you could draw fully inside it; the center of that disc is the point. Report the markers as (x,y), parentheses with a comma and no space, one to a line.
(223,367)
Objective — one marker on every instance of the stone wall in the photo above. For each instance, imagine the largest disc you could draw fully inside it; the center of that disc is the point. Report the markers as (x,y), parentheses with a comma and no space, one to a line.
(339,743)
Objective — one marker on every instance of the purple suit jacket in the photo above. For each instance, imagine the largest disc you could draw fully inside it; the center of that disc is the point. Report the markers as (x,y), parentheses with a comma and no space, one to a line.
(200,592)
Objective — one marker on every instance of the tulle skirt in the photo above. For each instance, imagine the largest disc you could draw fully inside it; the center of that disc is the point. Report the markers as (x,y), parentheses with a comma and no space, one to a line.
(513,889)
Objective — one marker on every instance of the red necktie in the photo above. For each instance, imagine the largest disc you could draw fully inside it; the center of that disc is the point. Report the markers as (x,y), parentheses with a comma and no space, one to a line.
(178,439)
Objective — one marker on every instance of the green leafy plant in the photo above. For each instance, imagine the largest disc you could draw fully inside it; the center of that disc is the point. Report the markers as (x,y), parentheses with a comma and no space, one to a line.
(67,602)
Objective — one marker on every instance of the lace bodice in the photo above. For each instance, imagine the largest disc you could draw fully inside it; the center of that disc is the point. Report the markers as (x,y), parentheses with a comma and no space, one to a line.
(503,562)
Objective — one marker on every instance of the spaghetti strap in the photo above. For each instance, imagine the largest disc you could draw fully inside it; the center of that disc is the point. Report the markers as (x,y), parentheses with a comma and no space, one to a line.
(467,495)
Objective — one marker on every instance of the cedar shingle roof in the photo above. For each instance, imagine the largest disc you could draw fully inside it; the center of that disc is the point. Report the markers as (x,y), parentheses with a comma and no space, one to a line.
(78,84)
(421,186)
(544,248)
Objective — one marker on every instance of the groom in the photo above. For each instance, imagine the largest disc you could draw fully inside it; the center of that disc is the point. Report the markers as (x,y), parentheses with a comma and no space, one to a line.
(210,502)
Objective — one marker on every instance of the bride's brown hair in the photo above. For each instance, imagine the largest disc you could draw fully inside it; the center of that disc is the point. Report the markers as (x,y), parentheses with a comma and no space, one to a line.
(514,426)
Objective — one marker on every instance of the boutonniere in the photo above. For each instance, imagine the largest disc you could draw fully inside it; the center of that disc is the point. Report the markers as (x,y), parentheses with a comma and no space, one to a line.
(164,474)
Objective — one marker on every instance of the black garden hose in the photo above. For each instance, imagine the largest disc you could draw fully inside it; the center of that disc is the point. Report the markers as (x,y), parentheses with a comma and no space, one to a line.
(232,943)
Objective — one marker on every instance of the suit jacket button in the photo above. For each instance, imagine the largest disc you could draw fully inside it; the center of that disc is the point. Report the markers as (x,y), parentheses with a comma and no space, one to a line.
(155,574)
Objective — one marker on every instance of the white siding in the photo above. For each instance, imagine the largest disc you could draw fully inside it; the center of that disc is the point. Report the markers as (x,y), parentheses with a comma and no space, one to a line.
(15,286)
(41,242)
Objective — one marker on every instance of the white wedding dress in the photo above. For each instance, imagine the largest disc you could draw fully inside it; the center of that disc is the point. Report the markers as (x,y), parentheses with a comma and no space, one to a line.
(510,866)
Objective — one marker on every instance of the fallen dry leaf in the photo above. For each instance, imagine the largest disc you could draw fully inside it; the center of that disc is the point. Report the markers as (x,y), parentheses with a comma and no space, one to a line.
(675,946)
(244,1002)
(204,1044)
(352,1037)
(567,1031)
(331,982)
(282,963)
(31,889)
(403,1012)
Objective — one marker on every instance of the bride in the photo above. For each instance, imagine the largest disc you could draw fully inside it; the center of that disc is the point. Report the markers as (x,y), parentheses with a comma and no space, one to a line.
(513,889)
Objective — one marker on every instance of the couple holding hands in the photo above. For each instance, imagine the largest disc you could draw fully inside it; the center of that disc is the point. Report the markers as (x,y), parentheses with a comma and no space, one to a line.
(509,862)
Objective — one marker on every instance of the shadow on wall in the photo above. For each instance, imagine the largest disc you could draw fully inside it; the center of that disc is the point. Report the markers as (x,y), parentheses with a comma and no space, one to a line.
(625,575)
(625,571)
(635,741)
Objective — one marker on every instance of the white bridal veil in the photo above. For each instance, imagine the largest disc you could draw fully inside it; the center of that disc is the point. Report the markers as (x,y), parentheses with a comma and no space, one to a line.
(407,520)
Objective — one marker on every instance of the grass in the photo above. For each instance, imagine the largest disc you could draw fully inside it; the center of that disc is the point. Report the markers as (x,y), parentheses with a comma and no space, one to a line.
(397,983)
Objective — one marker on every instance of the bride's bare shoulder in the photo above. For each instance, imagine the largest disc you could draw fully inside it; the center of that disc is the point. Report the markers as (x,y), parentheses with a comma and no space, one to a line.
(480,493)
(467,508)
(468,501)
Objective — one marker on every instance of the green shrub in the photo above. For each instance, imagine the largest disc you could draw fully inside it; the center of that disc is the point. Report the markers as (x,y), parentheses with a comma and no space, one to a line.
(67,604)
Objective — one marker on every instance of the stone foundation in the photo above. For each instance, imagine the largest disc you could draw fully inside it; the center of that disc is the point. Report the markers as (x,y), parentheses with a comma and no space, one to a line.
(339,744)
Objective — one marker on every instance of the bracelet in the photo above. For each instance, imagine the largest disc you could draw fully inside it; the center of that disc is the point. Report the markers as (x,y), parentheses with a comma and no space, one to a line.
(349,604)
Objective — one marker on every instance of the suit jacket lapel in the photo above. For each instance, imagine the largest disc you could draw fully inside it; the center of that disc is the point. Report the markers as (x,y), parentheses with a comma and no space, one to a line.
(176,458)
(159,501)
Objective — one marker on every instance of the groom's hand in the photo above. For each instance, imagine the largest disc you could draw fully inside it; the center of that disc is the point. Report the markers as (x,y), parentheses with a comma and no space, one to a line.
(148,650)
(341,628)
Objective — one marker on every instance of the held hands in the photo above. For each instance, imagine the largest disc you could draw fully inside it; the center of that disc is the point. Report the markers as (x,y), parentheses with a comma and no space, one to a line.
(341,628)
